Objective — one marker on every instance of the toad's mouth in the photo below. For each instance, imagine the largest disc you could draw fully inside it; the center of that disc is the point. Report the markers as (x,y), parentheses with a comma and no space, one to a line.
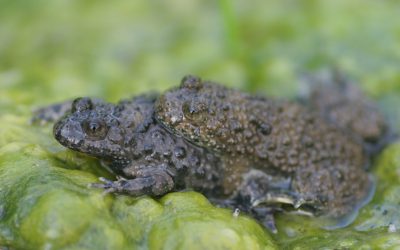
(69,134)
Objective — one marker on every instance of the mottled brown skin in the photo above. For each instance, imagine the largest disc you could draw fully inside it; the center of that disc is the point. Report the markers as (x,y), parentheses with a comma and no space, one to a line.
(339,101)
(323,164)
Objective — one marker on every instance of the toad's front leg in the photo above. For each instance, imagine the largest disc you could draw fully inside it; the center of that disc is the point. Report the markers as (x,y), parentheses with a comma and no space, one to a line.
(153,183)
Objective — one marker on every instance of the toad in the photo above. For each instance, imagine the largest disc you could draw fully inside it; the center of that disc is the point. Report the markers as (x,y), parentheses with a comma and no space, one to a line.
(310,156)
(242,151)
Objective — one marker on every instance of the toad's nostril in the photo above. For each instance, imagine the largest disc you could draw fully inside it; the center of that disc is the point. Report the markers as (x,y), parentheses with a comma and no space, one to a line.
(68,133)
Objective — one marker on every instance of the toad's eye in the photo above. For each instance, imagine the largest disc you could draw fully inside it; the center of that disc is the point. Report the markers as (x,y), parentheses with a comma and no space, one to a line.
(95,129)
(194,111)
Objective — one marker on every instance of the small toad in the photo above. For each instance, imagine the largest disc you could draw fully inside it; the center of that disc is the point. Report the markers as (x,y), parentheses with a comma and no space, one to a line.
(257,154)
(147,158)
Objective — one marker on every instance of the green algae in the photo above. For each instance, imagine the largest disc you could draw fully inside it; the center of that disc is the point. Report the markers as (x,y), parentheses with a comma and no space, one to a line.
(56,50)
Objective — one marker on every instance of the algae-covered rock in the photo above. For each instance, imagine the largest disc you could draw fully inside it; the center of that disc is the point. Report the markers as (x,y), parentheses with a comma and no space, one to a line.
(195,224)
(56,50)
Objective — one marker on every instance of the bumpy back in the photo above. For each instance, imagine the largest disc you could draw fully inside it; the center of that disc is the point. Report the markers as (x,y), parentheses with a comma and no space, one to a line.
(151,145)
(341,102)
(273,133)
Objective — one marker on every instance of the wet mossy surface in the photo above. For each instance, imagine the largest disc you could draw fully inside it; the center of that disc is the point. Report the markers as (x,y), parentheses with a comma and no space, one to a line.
(53,51)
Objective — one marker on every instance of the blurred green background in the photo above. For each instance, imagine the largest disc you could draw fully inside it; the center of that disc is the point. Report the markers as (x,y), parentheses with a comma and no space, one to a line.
(56,50)
(63,48)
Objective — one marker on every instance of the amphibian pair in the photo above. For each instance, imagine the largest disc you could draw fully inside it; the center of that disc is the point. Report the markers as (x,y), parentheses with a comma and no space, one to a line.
(242,151)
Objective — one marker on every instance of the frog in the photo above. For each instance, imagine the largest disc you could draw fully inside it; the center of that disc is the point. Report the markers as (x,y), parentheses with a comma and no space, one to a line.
(281,153)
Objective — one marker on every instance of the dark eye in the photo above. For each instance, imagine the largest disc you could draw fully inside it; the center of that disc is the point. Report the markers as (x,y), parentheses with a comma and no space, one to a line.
(194,112)
(96,129)
(82,104)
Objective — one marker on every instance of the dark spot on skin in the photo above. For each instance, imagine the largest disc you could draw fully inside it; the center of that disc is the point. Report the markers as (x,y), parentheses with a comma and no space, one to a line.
(136,154)
(179,152)
(236,126)
(148,148)
(265,128)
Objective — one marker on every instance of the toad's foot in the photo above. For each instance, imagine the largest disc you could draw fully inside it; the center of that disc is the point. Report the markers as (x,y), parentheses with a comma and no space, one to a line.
(301,204)
(265,215)
(264,208)
(154,185)
(260,189)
